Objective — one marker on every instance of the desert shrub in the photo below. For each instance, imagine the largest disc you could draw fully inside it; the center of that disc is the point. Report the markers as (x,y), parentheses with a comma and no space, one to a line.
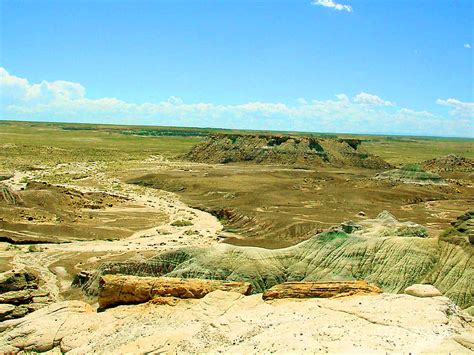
(233,139)
(412,167)
(34,249)
(181,223)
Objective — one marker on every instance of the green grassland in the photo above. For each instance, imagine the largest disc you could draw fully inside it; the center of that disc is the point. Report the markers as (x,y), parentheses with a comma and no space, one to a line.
(407,150)
(24,144)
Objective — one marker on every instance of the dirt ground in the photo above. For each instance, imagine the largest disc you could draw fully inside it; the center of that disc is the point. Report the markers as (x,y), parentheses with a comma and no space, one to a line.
(270,206)
(46,213)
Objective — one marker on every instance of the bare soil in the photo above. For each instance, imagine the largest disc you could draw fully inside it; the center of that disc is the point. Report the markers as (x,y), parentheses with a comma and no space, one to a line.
(275,206)
(45,213)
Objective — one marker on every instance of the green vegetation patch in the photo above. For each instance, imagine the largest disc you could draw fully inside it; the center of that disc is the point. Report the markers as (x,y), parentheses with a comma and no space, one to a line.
(412,168)
(332,235)
(182,223)
(411,173)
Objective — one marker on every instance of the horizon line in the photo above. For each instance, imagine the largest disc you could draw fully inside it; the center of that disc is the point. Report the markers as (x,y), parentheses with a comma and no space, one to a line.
(393,134)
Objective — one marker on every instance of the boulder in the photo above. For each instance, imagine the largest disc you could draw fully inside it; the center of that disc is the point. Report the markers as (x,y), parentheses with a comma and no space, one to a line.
(16,297)
(5,310)
(18,312)
(15,281)
(120,289)
(320,289)
(420,290)
(81,278)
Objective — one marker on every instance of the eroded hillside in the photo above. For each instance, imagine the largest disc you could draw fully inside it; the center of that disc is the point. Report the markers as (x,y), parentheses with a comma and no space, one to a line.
(384,251)
(284,150)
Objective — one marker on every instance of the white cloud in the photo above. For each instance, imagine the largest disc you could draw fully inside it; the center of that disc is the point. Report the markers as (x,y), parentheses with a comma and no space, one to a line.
(343,97)
(13,87)
(459,108)
(332,4)
(368,99)
(467,45)
(364,113)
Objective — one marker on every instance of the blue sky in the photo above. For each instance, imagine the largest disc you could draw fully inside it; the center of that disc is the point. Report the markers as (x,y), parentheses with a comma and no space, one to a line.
(403,67)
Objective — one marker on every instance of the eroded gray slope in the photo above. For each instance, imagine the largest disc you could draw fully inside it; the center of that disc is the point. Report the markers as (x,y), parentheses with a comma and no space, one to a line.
(388,253)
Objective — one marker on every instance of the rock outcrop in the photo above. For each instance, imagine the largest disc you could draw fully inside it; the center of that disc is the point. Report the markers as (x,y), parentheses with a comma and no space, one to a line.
(5,310)
(320,289)
(411,174)
(19,295)
(285,150)
(16,281)
(49,327)
(228,322)
(449,163)
(462,228)
(390,254)
(118,289)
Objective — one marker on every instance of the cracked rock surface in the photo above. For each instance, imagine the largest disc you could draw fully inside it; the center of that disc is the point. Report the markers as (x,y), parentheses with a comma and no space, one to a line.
(231,322)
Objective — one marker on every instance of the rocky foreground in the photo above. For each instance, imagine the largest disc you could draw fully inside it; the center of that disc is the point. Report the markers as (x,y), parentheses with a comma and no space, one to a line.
(231,322)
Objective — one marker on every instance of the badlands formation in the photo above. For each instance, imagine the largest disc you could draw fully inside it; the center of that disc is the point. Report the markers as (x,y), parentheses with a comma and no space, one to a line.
(284,150)
(103,257)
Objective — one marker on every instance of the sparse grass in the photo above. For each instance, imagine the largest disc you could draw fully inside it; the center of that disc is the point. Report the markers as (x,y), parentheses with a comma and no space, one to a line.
(25,144)
(415,150)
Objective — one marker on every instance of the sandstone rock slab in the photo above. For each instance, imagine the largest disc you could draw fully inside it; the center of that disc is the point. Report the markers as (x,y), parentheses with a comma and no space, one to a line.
(45,329)
(120,289)
(16,297)
(320,289)
(16,281)
(421,290)
(6,309)
(228,322)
